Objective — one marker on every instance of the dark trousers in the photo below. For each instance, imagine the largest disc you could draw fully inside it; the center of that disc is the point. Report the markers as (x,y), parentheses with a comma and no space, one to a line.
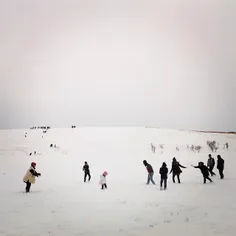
(85,176)
(28,185)
(221,173)
(211,170)
(104,186)
(205,178)
(165,183)
(173,178)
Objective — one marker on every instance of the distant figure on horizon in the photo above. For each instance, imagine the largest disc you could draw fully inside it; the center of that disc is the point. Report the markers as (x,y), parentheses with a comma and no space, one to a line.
(29,177)
(211,164)
(103,180)
(150,172)
(205,171)
(86,171)
(176,170)
(226,146)
(164,175)
(220,166)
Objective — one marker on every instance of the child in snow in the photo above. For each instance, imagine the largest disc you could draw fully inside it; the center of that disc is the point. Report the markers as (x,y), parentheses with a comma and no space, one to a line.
(103,180)
(29,177)
(205,171)
(164,173)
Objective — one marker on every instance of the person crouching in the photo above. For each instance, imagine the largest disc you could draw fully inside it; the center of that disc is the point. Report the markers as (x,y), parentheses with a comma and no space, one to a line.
(103,180)
(29,177)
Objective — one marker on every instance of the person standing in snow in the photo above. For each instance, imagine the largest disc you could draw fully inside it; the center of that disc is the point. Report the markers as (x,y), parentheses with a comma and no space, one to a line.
(103,180)
(164,173)
(211,164)
(220,166)
(205,171)
(29,177)
(150,172)
(86,171)
(176,170)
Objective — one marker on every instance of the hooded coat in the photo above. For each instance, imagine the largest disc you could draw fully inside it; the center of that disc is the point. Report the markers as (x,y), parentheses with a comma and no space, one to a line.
(164,171)
(220,163)
(148,167)
(103,179)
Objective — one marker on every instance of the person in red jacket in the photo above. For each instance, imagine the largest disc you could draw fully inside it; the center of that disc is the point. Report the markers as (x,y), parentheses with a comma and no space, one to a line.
(150,172)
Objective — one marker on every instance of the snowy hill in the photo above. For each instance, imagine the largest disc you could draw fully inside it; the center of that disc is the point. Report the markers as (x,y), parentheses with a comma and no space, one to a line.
(61,204)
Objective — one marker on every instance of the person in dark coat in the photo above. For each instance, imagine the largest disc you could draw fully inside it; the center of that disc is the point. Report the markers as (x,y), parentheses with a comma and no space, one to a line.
(220,166)
(205,171)
(86,171)
(211,164)
(164,175)
(150,172)
(176,170)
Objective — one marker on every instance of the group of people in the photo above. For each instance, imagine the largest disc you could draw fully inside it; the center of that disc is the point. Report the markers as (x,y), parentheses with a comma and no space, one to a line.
(176,170)
(31,173)
(103,180)
(220,165)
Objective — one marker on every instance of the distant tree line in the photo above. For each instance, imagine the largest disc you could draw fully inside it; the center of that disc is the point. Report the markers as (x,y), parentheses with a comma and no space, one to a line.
(40,127)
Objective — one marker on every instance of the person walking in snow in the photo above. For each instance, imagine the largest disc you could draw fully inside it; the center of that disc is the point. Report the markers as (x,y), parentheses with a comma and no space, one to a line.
(164,173)
(205,171)
(176,170)
(103,180)
(86,171)
(30,175)
(211,164)
(150,172)
(220,166)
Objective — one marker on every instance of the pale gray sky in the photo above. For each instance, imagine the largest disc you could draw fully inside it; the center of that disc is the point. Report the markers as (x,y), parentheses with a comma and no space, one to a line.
(118,63)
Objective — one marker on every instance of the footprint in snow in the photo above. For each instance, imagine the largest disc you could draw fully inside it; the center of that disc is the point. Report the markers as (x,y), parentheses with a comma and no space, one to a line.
(186,220)
(167,221)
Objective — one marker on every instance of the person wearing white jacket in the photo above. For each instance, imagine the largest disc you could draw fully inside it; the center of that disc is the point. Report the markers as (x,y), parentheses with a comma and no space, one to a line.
(103,180)
(29,177)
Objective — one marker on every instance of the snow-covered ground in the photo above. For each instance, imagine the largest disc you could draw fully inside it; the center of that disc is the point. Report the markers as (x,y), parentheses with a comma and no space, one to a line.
(61,204)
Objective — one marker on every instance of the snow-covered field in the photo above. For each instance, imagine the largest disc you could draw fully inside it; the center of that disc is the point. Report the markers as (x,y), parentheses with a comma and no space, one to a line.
(61,204)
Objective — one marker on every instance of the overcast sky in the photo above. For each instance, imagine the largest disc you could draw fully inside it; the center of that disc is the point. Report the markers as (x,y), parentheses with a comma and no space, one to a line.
(156,63)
